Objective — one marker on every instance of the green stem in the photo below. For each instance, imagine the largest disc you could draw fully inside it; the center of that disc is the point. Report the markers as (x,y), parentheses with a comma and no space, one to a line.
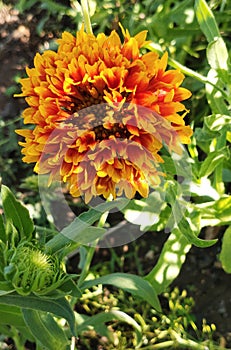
(91,251)
(86,16)
(176,343)
(186,343)
(17,340)
(72,343)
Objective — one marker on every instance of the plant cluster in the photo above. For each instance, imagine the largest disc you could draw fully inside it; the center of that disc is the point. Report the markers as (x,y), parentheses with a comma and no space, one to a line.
(86,129)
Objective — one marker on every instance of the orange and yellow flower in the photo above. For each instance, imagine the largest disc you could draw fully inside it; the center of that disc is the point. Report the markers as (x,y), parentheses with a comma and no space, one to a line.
(101,112)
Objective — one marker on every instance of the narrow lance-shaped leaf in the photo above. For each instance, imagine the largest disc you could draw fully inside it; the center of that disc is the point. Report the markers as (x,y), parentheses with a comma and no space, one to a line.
(206,20)
(80,230)
(45,330)
(188,223)
(215,213)
(2,230)
(225,255)
(223,210)
(186,229)
(59,307)
(212,161)
(131,283)
(11,315)
(15,212)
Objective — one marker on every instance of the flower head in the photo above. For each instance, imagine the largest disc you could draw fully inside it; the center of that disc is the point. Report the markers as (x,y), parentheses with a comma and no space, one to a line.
(32,271)
(101,111)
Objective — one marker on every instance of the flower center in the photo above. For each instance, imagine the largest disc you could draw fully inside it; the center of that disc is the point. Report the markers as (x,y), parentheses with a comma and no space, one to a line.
(102,119)
(118,130)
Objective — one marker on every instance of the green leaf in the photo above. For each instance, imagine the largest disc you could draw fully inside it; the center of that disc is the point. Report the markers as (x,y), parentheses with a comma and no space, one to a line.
(2,230)
(175,249)
(203,188)
(16,213)
(212,161)
(23,5)
(217,122)
(225,255)
(99,327)
(215,213)
(45,330)
(191,234)
(70,288)
(5,288)
(169,264)
(80,230)
(206,20)
(215,93)
(217,54)
(97,320)
(131,283)
(12,316)
(59,307)
(223,210)
(138,212)
(150,213)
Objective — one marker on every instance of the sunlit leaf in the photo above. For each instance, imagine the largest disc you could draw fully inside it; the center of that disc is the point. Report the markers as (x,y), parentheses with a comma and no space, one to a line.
(215,93)
(225,255)
(145,212)
(212,161)
(187,230)
(223,209)
(215,213)
(206,20)
(217,54)
(203,188)
(169,264)
(216,122)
